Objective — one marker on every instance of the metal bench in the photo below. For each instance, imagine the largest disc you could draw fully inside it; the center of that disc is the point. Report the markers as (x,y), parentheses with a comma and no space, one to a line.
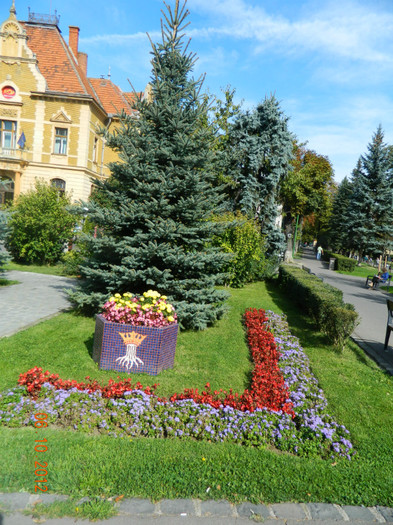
(389,326)
(378,283)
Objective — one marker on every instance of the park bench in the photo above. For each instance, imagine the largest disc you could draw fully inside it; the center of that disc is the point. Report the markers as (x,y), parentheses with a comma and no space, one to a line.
(378,283)
(389,326)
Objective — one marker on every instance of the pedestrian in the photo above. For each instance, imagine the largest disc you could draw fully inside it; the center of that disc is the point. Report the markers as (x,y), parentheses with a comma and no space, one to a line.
(319,252)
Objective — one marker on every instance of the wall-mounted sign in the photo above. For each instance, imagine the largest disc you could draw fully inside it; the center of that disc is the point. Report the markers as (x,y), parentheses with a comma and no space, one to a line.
(8,92)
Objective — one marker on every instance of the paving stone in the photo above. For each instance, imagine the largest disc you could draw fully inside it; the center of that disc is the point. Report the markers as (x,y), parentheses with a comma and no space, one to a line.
(358,513)
(289,511)
(216,508)
(177,507)
(14,501)
(247,510)
(387,513)
(46,499)
(324,511)
(136,506)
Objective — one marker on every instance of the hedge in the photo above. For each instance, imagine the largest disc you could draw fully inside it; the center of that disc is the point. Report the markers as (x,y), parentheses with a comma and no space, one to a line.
(342,264)
(322,302)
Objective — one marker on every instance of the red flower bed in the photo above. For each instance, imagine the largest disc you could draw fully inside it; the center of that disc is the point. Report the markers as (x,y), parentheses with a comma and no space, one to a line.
(268,389)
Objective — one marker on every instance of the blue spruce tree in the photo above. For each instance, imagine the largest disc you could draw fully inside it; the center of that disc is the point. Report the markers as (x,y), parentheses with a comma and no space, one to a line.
(370,213)
(265,145)
(152,214)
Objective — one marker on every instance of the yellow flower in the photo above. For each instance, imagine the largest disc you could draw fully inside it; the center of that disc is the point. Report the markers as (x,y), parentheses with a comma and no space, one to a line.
(169,308)
(171,319)
(164,297)
(117,295)
(162,306)
(112,300)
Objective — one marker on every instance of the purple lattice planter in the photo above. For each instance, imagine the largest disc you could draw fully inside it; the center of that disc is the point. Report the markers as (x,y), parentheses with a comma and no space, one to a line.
(134,349)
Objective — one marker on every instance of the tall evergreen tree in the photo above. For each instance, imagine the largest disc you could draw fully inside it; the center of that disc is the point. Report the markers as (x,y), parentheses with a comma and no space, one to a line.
(370,214)
(265,145)
(339,221)
(152,214)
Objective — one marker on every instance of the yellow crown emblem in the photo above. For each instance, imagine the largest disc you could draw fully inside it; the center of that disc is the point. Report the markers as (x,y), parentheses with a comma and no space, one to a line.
(132,338)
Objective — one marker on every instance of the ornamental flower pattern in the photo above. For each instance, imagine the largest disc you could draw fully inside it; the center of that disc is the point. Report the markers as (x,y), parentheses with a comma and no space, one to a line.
(122,409)
(149,309)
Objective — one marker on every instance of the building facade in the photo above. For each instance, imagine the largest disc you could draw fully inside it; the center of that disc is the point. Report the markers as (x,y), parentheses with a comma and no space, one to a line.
(50,111)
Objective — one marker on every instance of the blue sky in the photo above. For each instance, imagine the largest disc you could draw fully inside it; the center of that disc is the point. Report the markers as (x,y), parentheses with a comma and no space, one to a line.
(328,62)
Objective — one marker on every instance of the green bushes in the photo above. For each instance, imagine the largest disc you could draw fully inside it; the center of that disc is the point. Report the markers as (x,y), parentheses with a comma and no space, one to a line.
(322,302)
(343,264)
(39,226)
(244,240)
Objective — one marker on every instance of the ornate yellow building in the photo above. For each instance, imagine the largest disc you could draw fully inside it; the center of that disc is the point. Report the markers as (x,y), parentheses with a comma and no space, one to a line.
(50,111)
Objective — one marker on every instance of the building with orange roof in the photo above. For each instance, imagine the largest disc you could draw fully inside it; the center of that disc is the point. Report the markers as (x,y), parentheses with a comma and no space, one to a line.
(51,111)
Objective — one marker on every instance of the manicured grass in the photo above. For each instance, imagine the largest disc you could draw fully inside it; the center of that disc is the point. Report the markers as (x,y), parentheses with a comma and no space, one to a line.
(361,271)
(7,282)
(64,345)
(360,397)
(47,270)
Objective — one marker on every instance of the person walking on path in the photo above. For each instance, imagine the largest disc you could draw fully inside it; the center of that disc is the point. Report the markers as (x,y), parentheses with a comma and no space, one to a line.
(319,252)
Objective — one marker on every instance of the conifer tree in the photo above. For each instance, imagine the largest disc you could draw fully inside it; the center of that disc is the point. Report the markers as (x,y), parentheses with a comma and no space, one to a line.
(339,222)
(265,145)
(152,214)
(370,213)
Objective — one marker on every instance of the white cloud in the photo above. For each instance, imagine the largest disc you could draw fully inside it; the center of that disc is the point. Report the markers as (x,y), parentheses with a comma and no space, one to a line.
(343,29)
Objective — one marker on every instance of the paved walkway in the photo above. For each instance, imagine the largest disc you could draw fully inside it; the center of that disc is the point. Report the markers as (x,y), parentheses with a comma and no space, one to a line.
(370,304)
(196,512)
(36,298)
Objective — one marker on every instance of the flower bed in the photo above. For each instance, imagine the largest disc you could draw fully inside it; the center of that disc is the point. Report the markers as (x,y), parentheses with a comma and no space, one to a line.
(284,408)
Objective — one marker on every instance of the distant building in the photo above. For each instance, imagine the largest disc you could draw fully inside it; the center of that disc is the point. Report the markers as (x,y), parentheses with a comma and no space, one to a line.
(50,111)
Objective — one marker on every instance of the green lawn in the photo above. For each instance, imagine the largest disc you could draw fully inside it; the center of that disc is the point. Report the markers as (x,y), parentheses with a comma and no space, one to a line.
(360,397)
(48,270)
(362,271)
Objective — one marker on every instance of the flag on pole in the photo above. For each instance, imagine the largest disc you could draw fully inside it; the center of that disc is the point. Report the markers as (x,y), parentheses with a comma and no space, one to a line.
(22,140)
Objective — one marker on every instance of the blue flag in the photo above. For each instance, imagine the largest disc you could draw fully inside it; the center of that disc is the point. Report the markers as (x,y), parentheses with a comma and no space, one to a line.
(22,141)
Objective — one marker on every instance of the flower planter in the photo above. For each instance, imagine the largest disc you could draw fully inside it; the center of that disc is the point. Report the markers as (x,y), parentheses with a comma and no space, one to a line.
(134,349)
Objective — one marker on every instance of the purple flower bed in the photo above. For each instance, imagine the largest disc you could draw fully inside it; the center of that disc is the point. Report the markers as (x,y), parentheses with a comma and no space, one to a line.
(312,433)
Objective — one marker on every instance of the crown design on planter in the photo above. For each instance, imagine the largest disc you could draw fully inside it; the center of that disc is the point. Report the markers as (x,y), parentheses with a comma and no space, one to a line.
(132,338)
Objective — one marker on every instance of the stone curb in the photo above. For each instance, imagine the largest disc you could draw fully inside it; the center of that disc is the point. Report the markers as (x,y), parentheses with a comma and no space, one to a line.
(295,512)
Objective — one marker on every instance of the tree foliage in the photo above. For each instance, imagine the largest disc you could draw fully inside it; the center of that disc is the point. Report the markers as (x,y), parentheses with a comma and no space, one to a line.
(370,211)
(39,225)
(265,147)
(152,217)
(307,191)
(243,239)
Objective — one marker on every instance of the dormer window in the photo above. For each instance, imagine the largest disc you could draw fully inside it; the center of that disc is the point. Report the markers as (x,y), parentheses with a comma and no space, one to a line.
(61,137)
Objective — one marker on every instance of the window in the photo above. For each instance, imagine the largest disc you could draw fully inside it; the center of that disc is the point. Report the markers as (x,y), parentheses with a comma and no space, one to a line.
(59,184)
(95,149)
(61,136)
(6,190)
(8,134)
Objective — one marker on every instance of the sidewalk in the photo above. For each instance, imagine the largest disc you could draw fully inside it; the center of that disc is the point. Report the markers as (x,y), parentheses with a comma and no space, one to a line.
(370,304)
(35,299)
(196,512)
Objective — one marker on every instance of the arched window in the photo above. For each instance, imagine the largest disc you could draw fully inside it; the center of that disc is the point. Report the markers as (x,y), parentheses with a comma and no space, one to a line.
(6,190)
(59,184)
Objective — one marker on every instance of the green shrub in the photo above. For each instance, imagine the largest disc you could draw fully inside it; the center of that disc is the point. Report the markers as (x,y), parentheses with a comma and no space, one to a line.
(342,264)
(322,302)
(3,230)
(244,240)
(39,226)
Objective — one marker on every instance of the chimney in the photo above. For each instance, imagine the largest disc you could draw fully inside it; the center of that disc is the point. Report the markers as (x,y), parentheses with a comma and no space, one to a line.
(82,61)
(73,39)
